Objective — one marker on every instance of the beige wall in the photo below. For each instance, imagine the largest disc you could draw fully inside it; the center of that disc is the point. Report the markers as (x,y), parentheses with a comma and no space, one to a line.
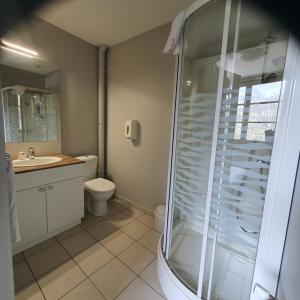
(78,65)
(140,86)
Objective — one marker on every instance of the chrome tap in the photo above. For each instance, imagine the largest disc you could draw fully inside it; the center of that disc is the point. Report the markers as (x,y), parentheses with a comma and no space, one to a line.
(31,153)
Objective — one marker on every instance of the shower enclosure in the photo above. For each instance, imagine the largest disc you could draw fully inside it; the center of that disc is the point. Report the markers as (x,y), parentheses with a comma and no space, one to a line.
(232,94)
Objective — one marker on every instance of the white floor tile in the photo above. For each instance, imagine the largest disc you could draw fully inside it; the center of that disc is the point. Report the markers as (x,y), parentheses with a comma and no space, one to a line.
(136,257)
(120,205)
(147,220)
(112,278)
(93,258)
(32,292)
(84,291)
(117,242)
(150,241)
(133,212)
(60,281)
(135,229)
(139,290)
(120,219)
(150,276)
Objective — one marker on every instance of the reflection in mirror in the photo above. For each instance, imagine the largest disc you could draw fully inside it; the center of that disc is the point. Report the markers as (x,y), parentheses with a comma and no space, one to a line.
(30,95)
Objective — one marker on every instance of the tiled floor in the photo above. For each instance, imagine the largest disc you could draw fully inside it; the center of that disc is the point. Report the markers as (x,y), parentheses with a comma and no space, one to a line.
(110,257)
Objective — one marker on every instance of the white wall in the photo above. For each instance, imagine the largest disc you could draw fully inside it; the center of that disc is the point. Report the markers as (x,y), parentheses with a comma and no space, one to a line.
(140,86)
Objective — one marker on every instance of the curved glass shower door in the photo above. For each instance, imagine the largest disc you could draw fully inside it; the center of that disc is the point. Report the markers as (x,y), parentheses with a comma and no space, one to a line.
(231,72)
(249,102)
(195,122)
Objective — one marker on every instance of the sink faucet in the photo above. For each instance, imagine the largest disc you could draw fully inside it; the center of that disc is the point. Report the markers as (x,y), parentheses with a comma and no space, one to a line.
(31,152)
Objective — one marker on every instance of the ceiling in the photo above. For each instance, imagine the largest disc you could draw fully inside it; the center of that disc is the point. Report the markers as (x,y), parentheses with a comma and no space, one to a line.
(110,21)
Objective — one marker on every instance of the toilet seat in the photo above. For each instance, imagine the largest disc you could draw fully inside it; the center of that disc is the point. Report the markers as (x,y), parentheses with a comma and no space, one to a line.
(99,185)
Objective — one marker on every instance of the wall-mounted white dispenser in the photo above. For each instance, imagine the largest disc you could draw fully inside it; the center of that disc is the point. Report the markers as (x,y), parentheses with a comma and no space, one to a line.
(131,129)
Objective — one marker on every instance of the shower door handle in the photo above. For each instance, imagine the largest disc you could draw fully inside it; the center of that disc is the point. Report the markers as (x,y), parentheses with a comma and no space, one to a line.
(262,293)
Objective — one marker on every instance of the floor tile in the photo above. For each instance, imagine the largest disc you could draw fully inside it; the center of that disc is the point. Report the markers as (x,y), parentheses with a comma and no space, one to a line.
(22,275)
(117,242)
(135,229)
(69,232)
(111,210)
(47,259)
(39,247)
(147,220)
(18,257)
(84,291)
(133,212)
(112,278)
(78,242)
(89,220)
(119,205)
(150,276)
(136,257)
(120,219)
(150,240)
(93,258)
(101,230)
(138,290)
(60,281)
(32,292)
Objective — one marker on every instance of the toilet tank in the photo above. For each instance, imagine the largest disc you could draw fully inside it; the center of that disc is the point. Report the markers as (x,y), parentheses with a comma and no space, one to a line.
(90,166)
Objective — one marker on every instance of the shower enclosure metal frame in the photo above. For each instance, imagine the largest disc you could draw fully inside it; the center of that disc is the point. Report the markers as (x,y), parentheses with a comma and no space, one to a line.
(281,176)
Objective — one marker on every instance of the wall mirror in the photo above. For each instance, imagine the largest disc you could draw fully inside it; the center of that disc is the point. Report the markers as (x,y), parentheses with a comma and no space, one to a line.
(30,97)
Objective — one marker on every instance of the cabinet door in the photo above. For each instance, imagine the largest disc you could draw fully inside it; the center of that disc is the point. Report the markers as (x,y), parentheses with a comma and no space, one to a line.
(31,208)
(65,202)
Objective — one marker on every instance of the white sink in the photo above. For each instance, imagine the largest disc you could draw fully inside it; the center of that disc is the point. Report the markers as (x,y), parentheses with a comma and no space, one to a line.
(37,161)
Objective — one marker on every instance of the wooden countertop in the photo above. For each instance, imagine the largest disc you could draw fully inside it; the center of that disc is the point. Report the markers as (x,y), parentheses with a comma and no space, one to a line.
(66,160)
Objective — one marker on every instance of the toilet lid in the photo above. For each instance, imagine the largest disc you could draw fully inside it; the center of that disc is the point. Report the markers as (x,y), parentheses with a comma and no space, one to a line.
(99,185)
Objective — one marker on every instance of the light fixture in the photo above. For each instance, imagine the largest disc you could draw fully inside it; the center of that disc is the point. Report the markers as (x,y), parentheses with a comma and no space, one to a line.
(19,48)
(188,82)
(17,52)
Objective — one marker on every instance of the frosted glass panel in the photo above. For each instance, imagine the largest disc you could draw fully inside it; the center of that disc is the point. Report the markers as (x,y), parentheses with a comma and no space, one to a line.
(196,111)
(246,129)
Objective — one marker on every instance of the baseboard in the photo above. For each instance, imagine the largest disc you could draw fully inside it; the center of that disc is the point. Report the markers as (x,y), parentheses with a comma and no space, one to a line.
(134,204)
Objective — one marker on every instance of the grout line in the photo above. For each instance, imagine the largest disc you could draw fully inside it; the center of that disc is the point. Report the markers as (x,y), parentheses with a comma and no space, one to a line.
(53,237)
(150,285)
(70,234)
(121,250)
(96,287)
(130,280)
(143,268)
(137,276)
(34,277)
(52,269)
(80,270)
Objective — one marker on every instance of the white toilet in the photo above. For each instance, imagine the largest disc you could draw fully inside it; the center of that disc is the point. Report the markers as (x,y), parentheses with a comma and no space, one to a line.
(97,190)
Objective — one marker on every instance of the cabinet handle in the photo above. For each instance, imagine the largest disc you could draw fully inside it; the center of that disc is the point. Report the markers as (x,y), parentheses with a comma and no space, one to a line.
(41,190)
(50,187)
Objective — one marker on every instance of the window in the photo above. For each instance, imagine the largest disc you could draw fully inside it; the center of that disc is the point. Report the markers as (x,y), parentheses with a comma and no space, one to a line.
(257,111)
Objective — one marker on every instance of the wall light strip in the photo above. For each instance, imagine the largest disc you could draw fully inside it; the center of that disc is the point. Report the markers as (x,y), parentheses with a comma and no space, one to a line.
(17,52)
(20,48)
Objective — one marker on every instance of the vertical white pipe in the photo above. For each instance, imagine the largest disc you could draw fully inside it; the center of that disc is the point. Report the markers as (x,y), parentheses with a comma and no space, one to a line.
(101,109)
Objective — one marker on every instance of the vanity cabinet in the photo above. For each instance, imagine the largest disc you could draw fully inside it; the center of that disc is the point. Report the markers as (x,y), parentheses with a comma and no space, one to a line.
(48,202)
(64,202)
(32,215)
